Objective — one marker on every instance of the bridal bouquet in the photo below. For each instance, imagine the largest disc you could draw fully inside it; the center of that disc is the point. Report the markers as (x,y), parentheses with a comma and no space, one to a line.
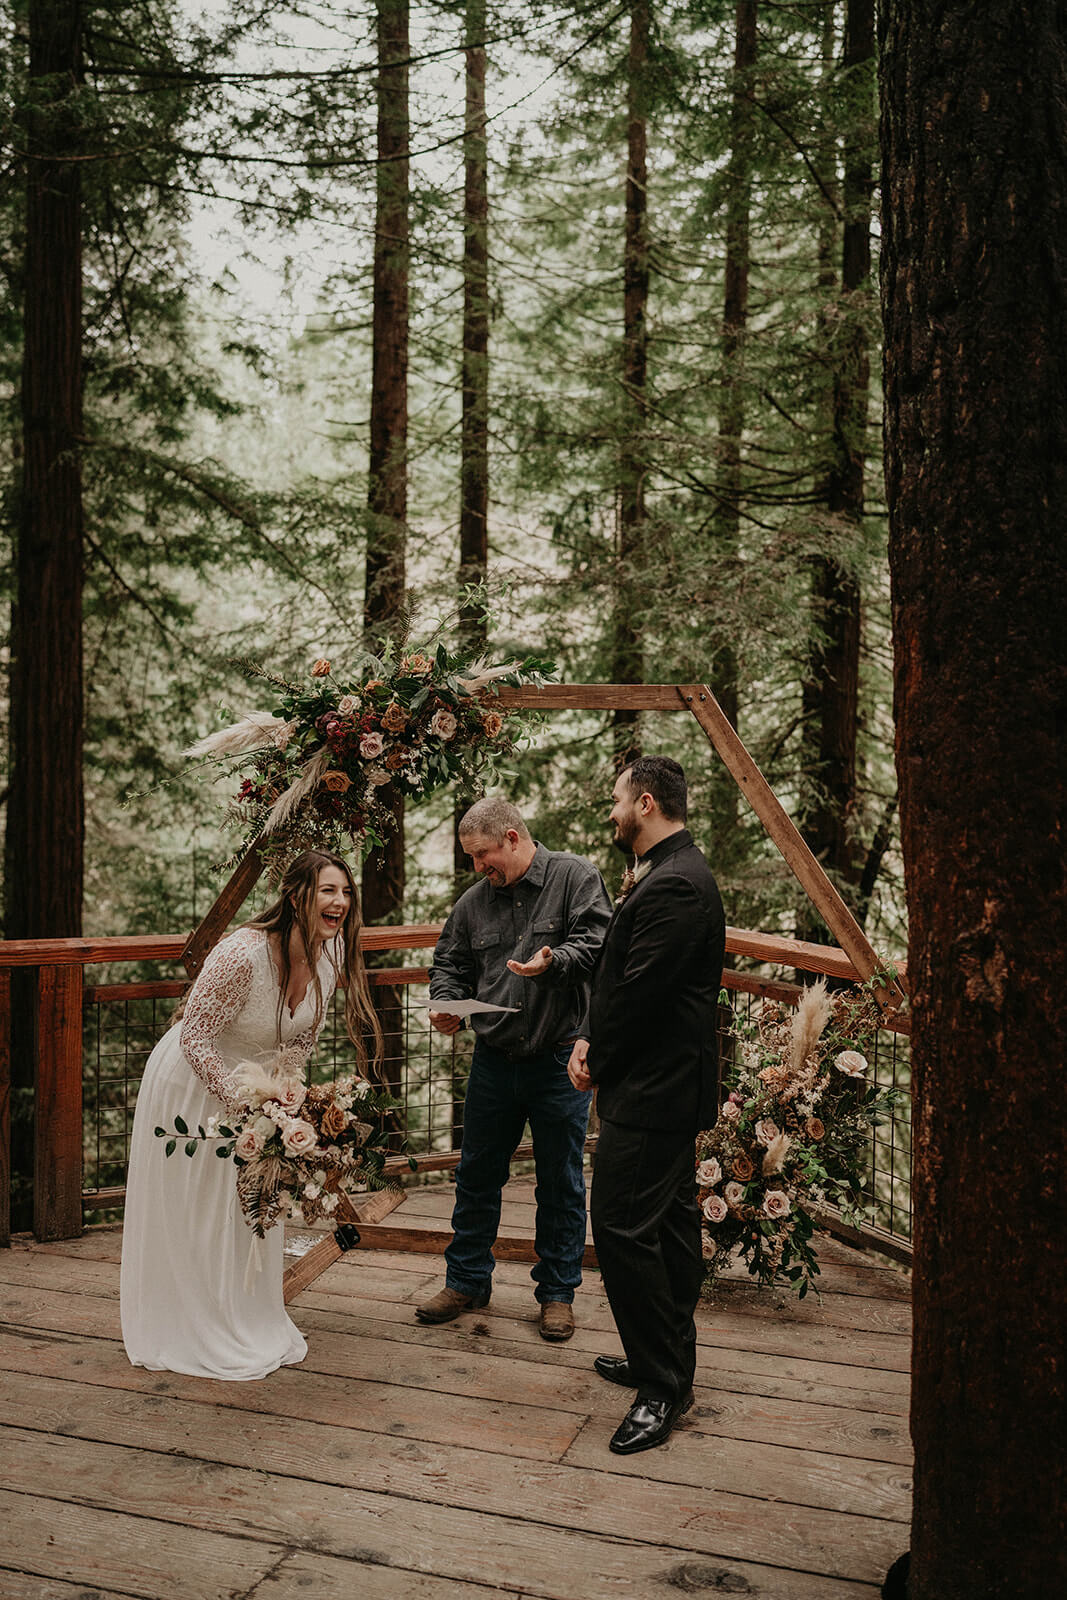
(792,1133)
(319,759)
(296,1147)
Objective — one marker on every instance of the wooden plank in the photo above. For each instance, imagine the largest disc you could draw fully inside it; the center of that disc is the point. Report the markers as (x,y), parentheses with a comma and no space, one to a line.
(169,946)
(715,1521)
(5,1108)
(314,1262)
(784,834)
(229,900)
(590,697)
(516,1553)
(57,1180)
(31,1586)
(160,989)
(98,1548)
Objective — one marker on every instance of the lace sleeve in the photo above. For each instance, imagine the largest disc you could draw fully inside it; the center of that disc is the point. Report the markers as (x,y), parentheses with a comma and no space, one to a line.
(217,996)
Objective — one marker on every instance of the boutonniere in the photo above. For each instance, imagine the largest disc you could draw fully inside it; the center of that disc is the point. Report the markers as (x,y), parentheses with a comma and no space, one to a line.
(631,878)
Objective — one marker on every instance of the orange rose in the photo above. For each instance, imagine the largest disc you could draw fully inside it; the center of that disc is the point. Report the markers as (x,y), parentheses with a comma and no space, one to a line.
(742,1168)
(321,669)
(394,718)
(336,782)
(814,1128)
(372,684)
(492,722)
(395,760)
(332,1124)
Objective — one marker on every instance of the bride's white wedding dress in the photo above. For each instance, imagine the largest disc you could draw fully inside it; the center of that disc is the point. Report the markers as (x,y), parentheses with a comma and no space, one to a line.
(199,1293)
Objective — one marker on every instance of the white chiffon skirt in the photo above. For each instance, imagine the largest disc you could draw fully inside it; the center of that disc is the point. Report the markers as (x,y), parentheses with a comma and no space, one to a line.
(199,1293)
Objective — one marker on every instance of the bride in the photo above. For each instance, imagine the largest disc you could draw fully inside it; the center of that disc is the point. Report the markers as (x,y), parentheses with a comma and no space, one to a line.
(192,1300)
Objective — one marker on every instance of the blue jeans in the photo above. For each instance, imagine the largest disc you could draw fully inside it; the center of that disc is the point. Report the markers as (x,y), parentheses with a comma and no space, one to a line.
(502,1095)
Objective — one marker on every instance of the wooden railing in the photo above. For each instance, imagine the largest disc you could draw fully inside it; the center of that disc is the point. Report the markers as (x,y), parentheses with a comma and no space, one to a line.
(53,978)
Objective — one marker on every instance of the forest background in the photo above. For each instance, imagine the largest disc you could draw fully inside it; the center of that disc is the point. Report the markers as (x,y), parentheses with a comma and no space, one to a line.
(369,303)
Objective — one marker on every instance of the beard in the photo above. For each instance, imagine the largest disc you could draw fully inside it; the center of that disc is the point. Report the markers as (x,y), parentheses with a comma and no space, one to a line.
(625,834)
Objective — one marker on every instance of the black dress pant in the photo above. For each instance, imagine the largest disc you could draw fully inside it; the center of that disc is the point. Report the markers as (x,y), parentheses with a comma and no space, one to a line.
(646,1228)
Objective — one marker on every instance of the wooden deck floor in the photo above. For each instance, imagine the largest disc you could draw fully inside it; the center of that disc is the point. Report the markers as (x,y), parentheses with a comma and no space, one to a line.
(409,1463)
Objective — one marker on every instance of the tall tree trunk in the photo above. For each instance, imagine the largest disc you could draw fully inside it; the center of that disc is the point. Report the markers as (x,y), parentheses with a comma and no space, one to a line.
(832,689)
(627,655)
(45,809)
(474,429)
(384,597)
(974,282)
(727,522)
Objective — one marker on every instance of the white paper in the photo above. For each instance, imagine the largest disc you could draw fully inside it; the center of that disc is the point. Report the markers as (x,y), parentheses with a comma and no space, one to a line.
(465,1008)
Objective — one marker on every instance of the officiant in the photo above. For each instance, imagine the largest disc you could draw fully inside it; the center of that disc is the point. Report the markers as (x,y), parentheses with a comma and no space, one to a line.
(525,937)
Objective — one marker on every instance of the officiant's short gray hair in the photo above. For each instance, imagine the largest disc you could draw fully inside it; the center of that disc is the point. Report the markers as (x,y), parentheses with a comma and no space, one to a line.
(491,818)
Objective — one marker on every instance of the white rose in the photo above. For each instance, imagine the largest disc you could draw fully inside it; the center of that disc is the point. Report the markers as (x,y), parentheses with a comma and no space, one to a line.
(767,1131)
(247,1145)
(298,1137)
(291,1096)
(347,703)
(732,1111)
(851,1063)
(776,1203)
(735,1193)
(714,1208)
(709,1172)
(329,1202)
(311,1191)
(263,1127)
(443,724)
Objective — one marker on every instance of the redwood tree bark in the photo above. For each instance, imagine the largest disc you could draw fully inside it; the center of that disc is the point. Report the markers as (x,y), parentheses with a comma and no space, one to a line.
(45,808)
(727,523)
(45,821)
(474,424)
(383,606)
(974,285)
(831,692)
(627,664)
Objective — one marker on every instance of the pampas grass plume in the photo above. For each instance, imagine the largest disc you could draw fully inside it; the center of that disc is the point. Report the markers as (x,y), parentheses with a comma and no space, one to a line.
(776,1152)
(809,1019)
(249,734)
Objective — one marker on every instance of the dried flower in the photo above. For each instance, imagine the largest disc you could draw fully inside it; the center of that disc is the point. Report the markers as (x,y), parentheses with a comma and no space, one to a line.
(814,1129)
(394,718)
(336,782)
(332,1122)
(742,1167)
(774,1160)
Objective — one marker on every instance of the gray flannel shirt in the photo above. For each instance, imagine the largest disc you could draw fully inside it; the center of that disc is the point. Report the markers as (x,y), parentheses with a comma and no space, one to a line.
(561,901)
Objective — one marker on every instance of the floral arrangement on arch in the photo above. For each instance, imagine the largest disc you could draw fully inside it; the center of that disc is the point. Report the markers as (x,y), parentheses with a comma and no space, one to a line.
(296,1147)
(792,1132)
(414,719)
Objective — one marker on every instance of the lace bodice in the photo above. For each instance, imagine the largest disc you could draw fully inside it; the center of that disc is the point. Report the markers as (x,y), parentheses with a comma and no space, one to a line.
(232,1011)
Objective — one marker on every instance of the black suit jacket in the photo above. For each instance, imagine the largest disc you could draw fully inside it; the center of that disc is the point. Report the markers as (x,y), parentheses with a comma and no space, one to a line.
(653,1050)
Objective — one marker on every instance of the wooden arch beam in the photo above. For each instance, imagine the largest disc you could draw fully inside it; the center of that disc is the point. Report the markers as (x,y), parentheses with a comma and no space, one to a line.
(701,703)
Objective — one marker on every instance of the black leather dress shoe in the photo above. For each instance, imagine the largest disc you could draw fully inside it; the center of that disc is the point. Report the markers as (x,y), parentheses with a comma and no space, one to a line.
(648,1423)
(616,1369)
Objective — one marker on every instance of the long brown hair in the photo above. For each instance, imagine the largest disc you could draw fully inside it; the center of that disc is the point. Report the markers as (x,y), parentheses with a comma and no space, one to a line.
(294,909)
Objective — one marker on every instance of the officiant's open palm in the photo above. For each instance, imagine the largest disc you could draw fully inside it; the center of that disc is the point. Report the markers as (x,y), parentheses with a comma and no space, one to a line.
(535,966)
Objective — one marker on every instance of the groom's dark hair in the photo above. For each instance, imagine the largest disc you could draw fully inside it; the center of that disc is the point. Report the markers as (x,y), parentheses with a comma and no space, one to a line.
(664,780)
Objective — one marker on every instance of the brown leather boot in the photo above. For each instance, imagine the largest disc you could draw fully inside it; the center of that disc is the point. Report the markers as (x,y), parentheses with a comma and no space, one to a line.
(449,1303)
(557,1320)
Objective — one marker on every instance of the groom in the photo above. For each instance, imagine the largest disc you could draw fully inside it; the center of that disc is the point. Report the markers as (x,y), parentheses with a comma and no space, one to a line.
(652,1055)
